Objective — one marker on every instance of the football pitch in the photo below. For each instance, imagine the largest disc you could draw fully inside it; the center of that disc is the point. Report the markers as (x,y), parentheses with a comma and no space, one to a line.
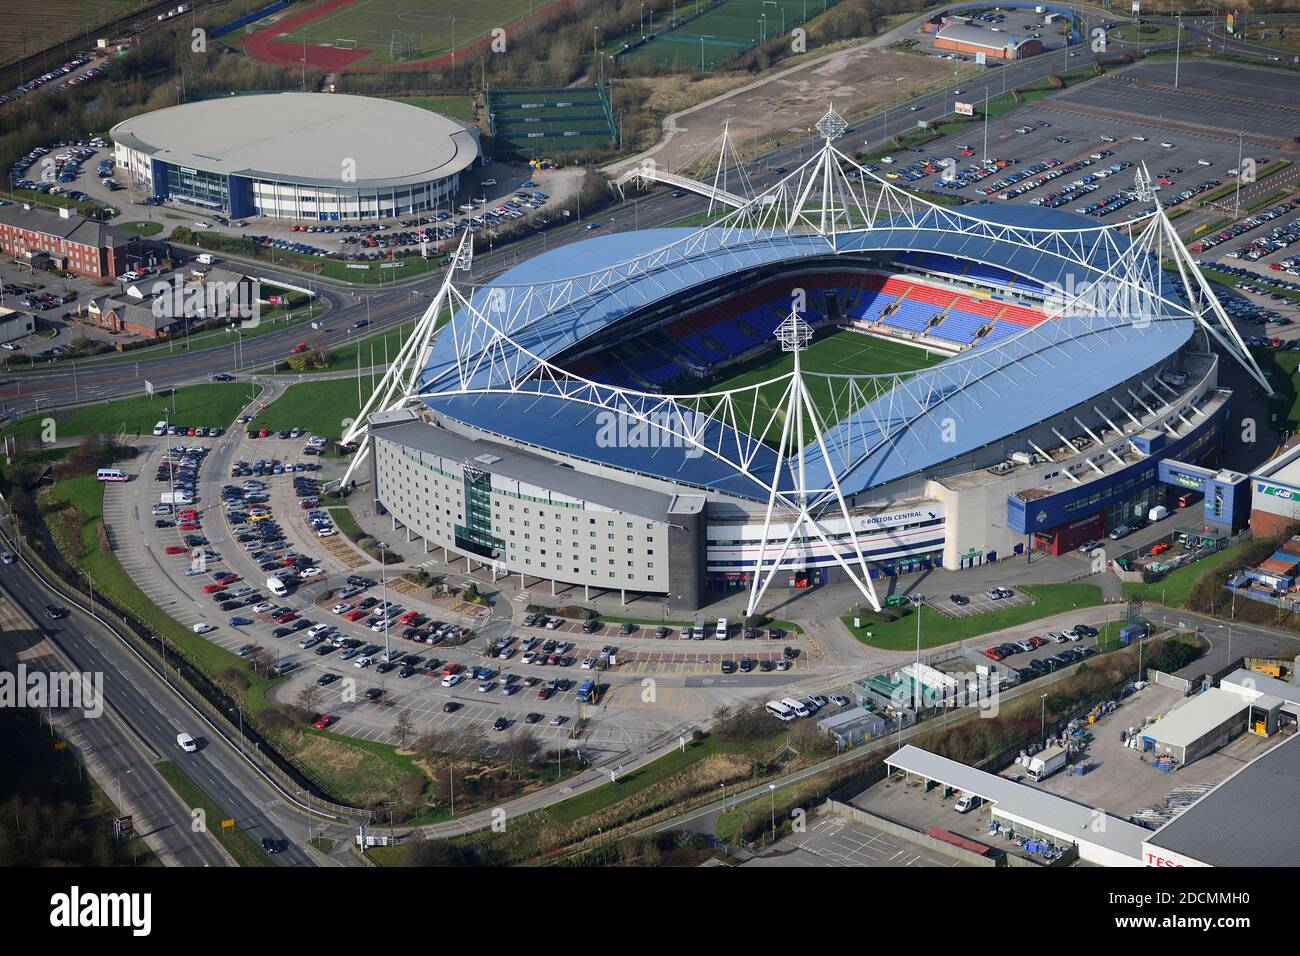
(403,31)
(728,29)
(841,353)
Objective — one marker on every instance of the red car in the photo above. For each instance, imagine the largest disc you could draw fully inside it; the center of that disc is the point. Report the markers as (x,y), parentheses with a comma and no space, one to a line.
(451,668)
(323,721)
(300,347)
(409,616)
(356,615)
(226,576)
(173,549)
(545,693)
(262,433)
(212,588)
(187,513)
(992,653)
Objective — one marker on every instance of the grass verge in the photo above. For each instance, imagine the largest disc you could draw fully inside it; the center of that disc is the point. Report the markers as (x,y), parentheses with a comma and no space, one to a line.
(233,839)
(900,634)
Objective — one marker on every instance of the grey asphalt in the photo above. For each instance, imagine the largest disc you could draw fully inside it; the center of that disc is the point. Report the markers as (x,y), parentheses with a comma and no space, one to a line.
(155,716)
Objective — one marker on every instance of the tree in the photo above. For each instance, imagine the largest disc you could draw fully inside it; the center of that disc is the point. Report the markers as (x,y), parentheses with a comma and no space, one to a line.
(404,730)
(259,659)
(521,747)
(309,697)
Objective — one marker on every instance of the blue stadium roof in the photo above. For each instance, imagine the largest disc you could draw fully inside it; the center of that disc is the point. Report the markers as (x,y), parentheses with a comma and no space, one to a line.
(546,305)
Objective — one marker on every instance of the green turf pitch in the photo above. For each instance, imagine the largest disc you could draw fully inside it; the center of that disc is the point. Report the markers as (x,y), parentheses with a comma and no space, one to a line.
(402,31)
(727,29)
(840,353)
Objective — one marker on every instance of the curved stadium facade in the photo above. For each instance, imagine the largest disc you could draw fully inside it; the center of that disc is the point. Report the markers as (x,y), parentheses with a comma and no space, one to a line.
(300,156)
(607,415)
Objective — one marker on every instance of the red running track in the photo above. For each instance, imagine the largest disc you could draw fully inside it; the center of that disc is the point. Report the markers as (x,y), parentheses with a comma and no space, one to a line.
(266,46)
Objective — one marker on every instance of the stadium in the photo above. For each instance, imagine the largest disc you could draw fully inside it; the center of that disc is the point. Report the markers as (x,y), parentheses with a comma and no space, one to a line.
(839,381)
(300,156)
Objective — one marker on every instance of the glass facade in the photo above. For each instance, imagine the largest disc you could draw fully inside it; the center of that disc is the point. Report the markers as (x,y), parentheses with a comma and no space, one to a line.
(475,535)
(204,188)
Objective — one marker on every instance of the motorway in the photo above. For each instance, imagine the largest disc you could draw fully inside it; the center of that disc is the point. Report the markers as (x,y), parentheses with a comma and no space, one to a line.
(153,716)
(120,763)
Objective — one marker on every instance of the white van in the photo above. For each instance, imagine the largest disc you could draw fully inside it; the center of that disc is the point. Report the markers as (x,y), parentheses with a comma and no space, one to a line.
(160,428)
(799,707)
(780,711)
(204,258)
(276,587)
(967,802)
(721,633)
(186,743)
(175,498)
(111,474)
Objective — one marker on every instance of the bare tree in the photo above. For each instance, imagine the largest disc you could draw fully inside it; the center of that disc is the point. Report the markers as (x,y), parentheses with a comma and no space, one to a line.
(403,730)
(520,748)
(309,697)
(259,659)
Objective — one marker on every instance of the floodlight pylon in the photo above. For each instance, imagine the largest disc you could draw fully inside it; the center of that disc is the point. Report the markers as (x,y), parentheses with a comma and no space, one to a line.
(799,411)
(400,381)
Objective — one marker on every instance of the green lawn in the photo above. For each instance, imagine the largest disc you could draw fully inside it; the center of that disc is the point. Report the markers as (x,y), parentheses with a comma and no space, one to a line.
(319,407)
(235,841)
(141,227)
(937,630)
(343,520)
(457,107)
(215,403)
(372,351)
(1147,33)
(840,353)
(1173,588)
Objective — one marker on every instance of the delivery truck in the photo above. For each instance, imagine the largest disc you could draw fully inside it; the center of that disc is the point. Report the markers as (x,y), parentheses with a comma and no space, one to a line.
(1043,765)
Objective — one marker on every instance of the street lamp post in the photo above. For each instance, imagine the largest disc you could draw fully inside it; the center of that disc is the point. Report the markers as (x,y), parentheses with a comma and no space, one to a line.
(1042,719)
(383,578)
(771,791)
(1178,49)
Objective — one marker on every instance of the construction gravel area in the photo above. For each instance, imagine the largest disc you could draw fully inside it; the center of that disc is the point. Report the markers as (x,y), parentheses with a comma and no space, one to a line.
(785,106)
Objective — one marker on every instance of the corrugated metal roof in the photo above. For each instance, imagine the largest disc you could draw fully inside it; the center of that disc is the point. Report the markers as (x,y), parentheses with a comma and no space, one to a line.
(1252,684)
(977,36)
(1248,820)
(1195,717)
(1037,808)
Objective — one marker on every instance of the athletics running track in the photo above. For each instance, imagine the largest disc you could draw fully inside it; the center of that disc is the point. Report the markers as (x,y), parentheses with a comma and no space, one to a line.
(264,45)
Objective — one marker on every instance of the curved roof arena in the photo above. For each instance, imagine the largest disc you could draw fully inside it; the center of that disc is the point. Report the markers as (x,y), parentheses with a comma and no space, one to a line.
(546,305)
(305,138)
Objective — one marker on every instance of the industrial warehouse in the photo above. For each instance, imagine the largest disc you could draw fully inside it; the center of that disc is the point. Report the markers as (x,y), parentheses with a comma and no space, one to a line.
(299,156)
(1212,760)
